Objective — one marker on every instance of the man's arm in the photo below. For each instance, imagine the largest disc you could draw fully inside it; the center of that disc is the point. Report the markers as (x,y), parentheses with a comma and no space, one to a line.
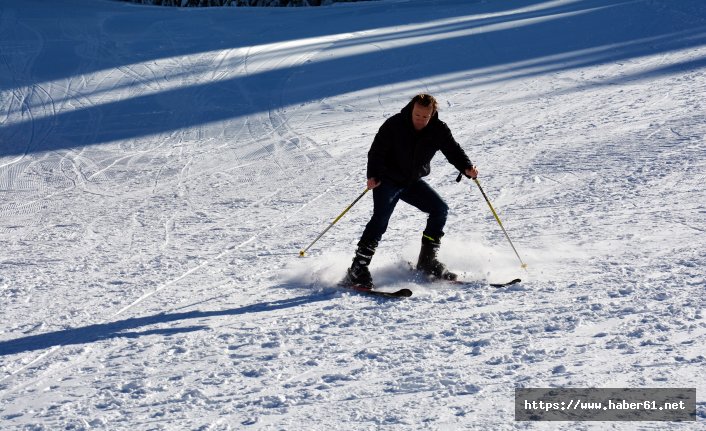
(455,154)
(377,154)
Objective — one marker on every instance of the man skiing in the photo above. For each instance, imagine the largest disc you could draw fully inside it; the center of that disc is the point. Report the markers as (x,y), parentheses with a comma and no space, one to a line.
(398,159)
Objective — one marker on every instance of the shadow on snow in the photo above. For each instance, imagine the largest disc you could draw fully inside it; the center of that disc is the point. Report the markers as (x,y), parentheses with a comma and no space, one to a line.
(125,328)
(480,49)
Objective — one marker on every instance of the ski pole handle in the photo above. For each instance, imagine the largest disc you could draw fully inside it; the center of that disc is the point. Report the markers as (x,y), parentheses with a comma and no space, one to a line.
(303,252)
(461,174)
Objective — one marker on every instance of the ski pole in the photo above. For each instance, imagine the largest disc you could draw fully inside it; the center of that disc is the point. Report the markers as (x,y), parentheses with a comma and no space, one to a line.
(303,252)
(495,214)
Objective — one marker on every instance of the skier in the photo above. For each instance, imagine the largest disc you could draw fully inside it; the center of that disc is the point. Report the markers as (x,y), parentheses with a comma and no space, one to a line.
(398,159)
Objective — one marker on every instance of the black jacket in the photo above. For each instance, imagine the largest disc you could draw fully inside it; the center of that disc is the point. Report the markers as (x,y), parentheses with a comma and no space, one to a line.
(402,154)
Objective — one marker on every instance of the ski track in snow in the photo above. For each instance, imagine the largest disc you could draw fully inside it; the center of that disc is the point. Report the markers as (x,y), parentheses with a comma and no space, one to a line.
(160,169)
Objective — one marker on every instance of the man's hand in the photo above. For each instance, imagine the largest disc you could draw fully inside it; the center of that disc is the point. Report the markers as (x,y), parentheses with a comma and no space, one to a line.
(472,172)
(372,183)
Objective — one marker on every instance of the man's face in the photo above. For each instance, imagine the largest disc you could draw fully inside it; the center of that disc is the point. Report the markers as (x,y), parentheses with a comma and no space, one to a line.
(421,116)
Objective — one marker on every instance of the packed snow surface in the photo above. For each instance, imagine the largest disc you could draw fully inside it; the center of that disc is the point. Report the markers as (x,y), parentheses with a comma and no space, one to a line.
(161,169)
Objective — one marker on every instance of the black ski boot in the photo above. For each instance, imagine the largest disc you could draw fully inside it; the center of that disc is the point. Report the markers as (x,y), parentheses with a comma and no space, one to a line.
(358,275)
(428,262)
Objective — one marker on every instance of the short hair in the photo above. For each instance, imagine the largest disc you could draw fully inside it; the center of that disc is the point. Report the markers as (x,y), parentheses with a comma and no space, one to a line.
(426,100)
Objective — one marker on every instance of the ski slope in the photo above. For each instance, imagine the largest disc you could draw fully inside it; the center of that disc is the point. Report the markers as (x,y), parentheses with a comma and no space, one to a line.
(161,168)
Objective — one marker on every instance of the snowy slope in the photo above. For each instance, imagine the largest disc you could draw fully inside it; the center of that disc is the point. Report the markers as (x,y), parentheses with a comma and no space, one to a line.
(160,169)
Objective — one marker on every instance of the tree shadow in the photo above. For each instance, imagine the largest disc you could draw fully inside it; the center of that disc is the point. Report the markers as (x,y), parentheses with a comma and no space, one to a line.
(126,328)
(484,43)
(118,35)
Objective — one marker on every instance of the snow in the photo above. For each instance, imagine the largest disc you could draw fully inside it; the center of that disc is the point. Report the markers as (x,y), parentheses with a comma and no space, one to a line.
(161,168)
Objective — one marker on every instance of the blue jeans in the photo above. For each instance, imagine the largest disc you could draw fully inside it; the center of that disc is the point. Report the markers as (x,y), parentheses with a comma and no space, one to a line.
(419,195)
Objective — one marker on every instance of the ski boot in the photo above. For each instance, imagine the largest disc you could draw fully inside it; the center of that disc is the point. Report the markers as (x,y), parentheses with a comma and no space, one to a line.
(358,275)
(428,262)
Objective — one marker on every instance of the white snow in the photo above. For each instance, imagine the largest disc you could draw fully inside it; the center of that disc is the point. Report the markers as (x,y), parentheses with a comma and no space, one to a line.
(161,168)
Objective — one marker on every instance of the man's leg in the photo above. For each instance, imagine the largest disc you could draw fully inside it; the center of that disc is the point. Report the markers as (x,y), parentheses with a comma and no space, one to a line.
(423,197)
(385,198)
(420,195)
